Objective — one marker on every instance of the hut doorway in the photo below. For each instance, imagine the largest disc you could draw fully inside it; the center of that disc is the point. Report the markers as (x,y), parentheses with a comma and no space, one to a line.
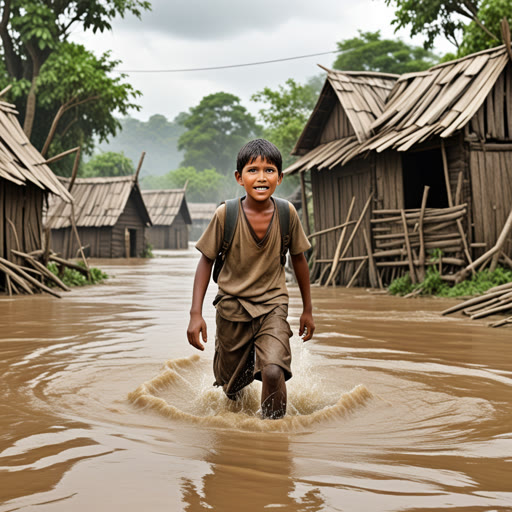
(422,168)
(133,243)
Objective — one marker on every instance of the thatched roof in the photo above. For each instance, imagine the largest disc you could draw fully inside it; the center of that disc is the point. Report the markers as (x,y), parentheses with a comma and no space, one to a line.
(98,202)
(202,211)
(20,162)
(439,101)
(362,96)
(164,205)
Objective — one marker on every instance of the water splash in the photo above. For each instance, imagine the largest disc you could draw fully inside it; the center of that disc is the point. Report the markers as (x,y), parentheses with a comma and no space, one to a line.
(183,392)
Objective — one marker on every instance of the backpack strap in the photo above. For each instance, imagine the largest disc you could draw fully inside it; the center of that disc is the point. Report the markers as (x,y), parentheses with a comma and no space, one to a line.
(229,230)
(283,209)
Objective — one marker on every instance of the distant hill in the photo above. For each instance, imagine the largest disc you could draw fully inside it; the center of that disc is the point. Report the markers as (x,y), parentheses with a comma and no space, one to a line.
(158,137)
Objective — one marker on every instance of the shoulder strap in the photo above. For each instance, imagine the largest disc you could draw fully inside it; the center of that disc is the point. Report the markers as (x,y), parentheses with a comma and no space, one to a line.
(229,230)
(283,209)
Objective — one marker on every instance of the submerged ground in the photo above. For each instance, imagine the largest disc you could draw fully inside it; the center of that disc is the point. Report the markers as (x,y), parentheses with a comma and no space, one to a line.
(105,406)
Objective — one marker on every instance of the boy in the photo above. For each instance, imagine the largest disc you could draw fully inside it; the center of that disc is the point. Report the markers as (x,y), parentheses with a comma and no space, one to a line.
(252,340)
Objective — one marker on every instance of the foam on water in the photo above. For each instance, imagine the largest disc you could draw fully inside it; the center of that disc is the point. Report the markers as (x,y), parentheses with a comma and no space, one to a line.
(183,392)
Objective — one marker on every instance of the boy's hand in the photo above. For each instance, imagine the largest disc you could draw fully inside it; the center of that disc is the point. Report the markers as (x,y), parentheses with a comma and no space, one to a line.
(196,326)
(307,326)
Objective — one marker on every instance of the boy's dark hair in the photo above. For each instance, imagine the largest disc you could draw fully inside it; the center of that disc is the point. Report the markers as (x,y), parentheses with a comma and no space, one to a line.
(256,148)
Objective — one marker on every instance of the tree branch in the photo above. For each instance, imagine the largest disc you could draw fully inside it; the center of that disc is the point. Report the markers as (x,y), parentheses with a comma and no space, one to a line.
(12,60)
(474,17)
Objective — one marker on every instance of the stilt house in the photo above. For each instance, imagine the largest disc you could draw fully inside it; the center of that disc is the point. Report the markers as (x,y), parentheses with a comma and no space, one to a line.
(170,216)
(111,219)
(448,128)
(25,181)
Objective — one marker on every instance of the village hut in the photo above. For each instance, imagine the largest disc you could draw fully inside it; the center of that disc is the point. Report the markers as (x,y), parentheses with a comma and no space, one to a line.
(440,146)
(25,181)
(170,216)
(111,218)
(201,214)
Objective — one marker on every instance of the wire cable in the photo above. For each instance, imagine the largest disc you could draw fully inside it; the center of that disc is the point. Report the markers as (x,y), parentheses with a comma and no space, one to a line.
(187,70)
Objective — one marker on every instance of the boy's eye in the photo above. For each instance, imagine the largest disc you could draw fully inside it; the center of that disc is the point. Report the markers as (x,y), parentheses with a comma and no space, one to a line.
(271,170)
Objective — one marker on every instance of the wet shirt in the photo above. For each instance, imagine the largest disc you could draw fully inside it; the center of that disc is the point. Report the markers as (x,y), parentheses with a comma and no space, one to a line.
(252,280)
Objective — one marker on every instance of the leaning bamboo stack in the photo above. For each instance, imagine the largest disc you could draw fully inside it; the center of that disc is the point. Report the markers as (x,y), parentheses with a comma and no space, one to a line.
(33,276)
(405,239)
(497,300)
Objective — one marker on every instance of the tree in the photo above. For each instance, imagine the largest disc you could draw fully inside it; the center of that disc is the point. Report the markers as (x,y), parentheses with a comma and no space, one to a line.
(215,131)
(108,164)
(286,111)
(475,22)
(369,52)
(33,31)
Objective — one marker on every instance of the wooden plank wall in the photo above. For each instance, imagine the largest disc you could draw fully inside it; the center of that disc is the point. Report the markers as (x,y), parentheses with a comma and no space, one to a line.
(96,241)
(493,120)
(337,126)
(491,185)
(332,193)
(129,219)
(23,205)
(3,222)
(389,180)
(165,237)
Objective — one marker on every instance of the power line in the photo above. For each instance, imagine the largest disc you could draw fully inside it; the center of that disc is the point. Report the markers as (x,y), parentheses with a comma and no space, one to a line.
(187,70)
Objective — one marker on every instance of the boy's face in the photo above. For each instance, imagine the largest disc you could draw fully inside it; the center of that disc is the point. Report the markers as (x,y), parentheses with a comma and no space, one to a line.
(259,178)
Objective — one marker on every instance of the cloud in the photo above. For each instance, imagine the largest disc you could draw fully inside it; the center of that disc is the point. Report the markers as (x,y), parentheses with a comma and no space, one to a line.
(223,19)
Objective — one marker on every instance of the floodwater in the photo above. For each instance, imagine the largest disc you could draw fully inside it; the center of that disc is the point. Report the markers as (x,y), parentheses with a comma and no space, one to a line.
(104,405)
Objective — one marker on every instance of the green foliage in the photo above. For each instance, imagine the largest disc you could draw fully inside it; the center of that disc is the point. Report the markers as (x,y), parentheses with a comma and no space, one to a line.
(72,277)
(480,282)
(490,14)
(159,138)
(215,131)
(147,252)
(474,22)
(434,285)
(36,55)
(285,113)
(369,52)
(108,164)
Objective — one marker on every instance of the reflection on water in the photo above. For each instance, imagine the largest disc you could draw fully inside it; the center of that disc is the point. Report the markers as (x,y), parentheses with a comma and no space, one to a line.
(391,407)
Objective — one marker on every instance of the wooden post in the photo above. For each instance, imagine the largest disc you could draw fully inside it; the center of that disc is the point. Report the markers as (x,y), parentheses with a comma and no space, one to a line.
(136,178)
(372,269)
(408,246)
(75,168)
(420,229)
(126,243)
(305,213)
(356,273)
(77,236)
(335,259)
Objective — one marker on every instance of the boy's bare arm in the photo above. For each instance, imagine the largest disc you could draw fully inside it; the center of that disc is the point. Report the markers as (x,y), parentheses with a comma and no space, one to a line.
(307,324)
(197,325)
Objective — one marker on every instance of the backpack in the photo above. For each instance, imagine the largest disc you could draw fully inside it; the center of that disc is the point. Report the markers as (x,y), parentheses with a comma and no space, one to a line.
(283,209)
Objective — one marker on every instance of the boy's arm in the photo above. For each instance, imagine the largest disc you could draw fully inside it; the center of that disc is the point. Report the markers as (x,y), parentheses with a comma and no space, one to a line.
(307,324)
(197,325)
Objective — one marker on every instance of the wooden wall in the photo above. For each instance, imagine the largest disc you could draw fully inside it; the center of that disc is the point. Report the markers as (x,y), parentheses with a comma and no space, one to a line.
(169,237)
(337,126)
(493,120)
(129,219)
(332,194)
(23,206)
(96,241)
(389,180)
(491,186)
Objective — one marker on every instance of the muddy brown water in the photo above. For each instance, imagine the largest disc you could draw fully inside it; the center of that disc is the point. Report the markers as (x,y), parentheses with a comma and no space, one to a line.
(104,405)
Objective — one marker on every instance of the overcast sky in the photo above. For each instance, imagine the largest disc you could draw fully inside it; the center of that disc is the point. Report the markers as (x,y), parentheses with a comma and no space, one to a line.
(179,34)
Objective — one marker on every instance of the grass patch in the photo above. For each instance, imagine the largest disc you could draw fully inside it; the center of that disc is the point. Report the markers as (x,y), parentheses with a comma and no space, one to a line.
(434,285)
(72,277)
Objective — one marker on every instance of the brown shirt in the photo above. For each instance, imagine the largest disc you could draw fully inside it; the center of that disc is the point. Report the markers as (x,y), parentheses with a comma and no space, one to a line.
(252,280)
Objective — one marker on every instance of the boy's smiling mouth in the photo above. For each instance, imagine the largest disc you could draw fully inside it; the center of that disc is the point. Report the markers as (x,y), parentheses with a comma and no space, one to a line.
(261,188)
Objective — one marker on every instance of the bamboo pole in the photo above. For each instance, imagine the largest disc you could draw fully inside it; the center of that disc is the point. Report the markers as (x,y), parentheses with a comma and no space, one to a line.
(9,287)
(473,301)
(77,236)
(139,166)
(420,229)
(29,278)
(15,277)
(372,269)
(66,263)
(335,260)
(305,213)
(329,230)
(356,273)
(409,252)
(13,227)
